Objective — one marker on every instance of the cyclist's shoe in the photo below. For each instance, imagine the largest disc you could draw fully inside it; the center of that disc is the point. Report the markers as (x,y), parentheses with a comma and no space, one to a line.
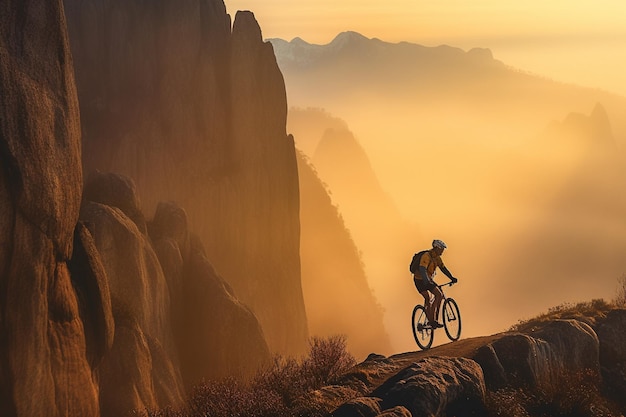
(435,325)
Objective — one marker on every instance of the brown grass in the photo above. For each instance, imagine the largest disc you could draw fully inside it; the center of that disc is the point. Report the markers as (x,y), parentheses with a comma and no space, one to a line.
(587,312)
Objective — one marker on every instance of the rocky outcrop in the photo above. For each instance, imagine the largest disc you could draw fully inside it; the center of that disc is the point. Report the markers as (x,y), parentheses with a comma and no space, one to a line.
(541,359)
(142,369)
(207,316)
(330,259)
(43,315)
(176,320)
(86,310)
(196,114)
(456,379)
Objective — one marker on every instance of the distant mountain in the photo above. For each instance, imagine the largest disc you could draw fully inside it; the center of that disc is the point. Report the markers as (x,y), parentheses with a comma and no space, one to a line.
(456,138)
(376,53)
(337,293)
(379,230)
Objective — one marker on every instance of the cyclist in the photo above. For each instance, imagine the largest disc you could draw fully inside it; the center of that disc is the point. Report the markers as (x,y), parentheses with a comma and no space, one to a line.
(429,261)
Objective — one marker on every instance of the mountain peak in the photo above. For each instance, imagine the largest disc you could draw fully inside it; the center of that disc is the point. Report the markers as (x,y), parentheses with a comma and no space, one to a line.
(299,41)
(347,38)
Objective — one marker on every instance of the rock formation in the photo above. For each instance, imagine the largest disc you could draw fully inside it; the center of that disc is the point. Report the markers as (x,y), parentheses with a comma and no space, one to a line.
(42,314)
(196,114)
(544,361)
(97,316)
(176,320)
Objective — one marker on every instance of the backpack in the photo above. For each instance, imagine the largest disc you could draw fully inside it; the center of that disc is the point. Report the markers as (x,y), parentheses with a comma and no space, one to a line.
(415,262)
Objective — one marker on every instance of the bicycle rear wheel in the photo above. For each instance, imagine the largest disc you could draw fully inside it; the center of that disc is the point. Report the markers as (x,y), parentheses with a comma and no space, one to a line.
(422,332)
(451,319)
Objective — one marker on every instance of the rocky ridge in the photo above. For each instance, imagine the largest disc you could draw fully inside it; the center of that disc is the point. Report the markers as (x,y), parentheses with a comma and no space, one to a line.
(459,378)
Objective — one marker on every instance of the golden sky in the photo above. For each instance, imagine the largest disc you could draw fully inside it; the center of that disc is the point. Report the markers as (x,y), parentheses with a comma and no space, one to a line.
(575,41)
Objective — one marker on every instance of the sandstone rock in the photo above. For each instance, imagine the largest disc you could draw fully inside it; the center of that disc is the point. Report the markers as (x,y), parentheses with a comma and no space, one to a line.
(541,360)
(574,344)
(516,360)
(142,369)
(44,364)
(363,377)
(196,114)
(94,298)
(436,387)
(116,191)
(359,407)
(217,335)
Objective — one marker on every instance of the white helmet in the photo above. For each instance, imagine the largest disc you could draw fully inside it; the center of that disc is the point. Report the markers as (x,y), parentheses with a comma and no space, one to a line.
(439,244)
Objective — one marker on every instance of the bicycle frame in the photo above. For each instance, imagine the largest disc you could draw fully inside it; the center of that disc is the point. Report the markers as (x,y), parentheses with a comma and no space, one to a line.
(449,313)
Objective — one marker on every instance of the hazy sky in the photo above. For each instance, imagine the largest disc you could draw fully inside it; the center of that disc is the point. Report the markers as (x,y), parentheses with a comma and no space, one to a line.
(575,41)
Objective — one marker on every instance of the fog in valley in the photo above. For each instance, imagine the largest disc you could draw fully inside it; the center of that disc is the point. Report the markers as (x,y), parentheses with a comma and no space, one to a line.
(522,176)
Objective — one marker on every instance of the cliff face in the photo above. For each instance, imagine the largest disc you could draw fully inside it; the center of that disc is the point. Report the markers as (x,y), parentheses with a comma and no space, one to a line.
(101,311)
(197,114)
(42,337)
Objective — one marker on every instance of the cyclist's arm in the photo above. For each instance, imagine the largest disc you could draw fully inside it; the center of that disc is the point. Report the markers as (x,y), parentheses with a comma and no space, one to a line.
(447,273)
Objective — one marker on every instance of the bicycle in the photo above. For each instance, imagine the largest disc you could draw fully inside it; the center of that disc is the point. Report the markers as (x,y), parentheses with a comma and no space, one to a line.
(424,333)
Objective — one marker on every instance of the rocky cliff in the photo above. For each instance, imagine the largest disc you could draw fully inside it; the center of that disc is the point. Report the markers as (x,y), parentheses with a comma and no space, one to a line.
(101,310)
(555,367)
(196,113)
(42,321)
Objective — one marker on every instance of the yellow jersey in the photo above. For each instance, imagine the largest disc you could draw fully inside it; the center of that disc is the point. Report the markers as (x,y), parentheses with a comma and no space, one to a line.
(430,261)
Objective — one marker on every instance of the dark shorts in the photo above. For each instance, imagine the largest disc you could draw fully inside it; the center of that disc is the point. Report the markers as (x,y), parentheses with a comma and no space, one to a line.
(423,286)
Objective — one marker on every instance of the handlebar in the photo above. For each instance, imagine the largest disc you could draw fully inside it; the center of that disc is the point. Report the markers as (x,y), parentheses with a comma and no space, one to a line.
(450,283)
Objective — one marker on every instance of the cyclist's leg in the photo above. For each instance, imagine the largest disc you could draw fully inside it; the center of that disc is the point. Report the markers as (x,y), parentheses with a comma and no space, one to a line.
(428,305)
(437,302)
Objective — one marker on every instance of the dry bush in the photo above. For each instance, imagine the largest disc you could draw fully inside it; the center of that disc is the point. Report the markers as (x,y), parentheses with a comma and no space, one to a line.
(274,390)
(577,395)
(232,398)
(587,312)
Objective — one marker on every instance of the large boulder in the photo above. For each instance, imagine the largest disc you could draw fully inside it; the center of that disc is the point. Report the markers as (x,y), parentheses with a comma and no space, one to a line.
(436,386)
(550,353)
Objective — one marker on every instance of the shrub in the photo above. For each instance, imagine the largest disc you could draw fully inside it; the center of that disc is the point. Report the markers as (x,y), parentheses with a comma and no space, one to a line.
(274,390)
(327,360)
(586,312)
(577,395)
(232,398)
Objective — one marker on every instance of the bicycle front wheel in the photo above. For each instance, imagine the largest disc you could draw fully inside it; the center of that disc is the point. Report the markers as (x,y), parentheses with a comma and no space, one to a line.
(422,332)
(452,319)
